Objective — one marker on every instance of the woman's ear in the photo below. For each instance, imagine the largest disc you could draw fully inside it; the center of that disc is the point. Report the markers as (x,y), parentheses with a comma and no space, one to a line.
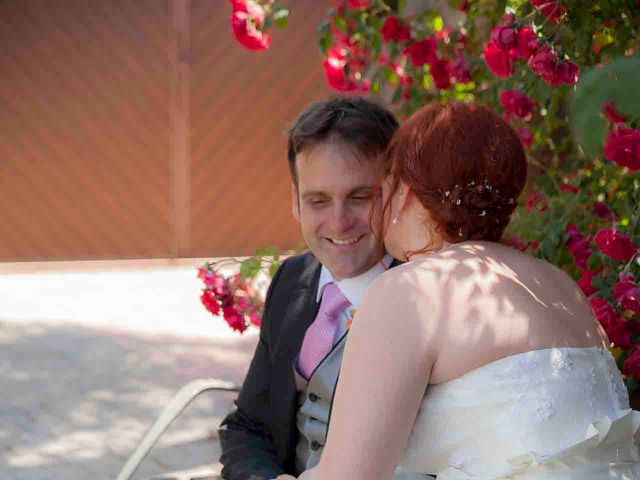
(404,196)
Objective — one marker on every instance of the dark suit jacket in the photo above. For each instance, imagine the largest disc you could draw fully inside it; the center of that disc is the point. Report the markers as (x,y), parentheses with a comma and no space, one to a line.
(258,439)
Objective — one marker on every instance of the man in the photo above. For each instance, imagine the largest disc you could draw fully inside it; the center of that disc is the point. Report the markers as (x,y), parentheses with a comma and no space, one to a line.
(335,155)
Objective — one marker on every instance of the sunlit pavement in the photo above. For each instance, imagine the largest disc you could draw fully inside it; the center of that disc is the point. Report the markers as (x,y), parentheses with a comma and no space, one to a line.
(90,352)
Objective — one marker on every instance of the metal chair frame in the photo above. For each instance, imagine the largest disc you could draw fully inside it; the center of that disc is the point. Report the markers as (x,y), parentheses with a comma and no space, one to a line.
(174,408)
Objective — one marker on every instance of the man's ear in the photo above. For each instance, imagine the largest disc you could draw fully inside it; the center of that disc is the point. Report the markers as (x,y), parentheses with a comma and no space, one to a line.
(295,202)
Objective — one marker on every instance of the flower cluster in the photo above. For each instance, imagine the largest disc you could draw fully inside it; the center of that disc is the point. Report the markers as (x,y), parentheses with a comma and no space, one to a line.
(234,297)
(536,62)
(512,41)
(251,20)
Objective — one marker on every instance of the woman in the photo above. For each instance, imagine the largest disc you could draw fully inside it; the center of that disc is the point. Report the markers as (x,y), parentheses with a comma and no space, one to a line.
(518,382)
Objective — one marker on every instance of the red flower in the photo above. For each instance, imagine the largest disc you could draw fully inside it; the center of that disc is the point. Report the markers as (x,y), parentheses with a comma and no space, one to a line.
(527,43)
(585,282)
(210,302)
(339,74)
(393,30)
(610,112)
(517,243)
(234,319)
(247,20)
(632,364)
(627,293)
(550,9)
(255,318)
(578,246)
(359,3)
(602,210)
(499,61)
(517,103)
(568,188)
(615,244)
(505,37)
(421,52)
(536,201)
(567,72)
(610,320)
(623,148)
(439,70)
(526,137)
(460,69)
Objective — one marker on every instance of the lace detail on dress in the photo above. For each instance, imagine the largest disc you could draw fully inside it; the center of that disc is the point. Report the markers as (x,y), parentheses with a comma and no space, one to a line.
(561,360)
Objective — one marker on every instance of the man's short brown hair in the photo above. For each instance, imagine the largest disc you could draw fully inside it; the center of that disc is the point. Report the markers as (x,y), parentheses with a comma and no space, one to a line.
(364,125)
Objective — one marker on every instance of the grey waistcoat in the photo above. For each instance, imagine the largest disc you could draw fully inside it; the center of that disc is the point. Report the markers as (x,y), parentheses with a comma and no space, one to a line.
(314,406)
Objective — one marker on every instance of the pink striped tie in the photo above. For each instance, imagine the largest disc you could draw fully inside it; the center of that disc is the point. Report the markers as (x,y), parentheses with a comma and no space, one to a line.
(318,341)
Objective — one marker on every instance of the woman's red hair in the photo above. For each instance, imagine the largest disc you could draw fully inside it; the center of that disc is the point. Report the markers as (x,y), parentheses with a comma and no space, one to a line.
(465,165)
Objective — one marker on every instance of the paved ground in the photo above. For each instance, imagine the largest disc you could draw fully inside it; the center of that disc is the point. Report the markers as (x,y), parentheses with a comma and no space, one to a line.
(89,355)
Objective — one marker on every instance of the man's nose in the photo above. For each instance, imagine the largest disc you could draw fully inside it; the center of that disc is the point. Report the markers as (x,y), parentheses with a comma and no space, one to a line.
(342,218)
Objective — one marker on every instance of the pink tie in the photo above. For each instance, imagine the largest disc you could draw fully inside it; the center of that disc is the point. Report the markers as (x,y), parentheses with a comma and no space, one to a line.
(318,341)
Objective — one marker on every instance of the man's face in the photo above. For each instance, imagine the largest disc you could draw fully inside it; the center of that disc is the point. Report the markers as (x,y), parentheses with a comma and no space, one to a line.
(332,204)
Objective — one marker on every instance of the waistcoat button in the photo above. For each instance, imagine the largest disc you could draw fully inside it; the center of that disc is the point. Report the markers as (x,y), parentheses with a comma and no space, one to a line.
(315,445)
(313,397)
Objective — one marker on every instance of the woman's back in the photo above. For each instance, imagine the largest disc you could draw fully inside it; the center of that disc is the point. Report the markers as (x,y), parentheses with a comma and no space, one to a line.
(495,301)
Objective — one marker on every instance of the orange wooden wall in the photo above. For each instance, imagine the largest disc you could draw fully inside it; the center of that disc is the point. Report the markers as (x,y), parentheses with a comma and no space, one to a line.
(140,129)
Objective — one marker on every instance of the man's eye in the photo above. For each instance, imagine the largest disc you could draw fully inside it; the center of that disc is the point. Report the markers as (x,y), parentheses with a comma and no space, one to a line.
(317,203)
(361,198)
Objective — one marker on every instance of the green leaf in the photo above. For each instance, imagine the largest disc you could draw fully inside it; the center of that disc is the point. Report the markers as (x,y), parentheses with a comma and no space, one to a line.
(594,262)
(341,23)
(250,267)
(266,252)
(617,82)
(274,268)
(633,385)
(281,17)
(325,38)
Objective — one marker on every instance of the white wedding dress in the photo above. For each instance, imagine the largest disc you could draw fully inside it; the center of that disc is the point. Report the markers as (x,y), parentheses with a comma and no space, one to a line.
(554,414)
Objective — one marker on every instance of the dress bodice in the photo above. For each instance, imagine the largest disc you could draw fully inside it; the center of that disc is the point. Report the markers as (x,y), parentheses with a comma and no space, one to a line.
(560,413)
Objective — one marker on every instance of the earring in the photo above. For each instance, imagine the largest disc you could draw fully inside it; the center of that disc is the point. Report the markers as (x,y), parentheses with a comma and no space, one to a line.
(396,218)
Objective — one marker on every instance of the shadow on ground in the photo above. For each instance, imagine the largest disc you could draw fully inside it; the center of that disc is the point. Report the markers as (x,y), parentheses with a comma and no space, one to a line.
(75,401)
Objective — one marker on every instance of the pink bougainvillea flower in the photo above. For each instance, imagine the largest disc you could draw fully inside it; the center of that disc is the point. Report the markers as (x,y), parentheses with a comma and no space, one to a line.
(612,323)
(517,103)
(623,148)
(585,282)
(505,37)
(578,245)
(615,244)
(422,51)
(565,187)
(527,43)
(627,293)
(247,20)
(439,70)
(499,61)
(394,31)
(632,364)
(210,302)
(550,9)
(460,69)
(602,210)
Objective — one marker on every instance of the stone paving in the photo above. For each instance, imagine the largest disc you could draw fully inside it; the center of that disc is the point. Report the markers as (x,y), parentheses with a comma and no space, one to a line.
(90,356)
